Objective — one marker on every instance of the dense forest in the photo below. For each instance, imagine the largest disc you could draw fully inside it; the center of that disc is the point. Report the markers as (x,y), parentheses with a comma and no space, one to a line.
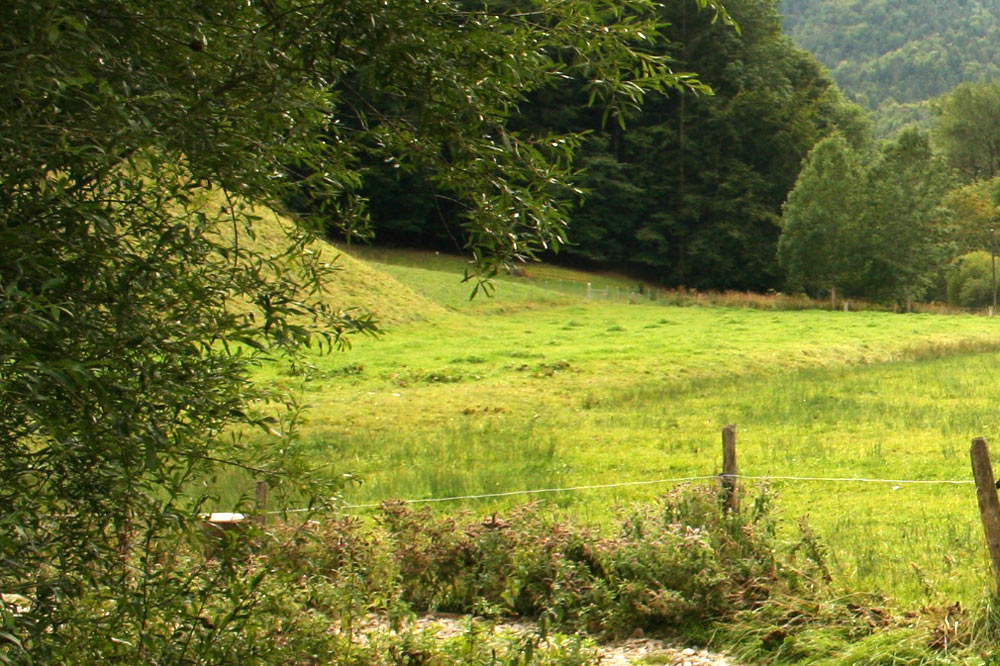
(891,56)
(687,191)
(757,173)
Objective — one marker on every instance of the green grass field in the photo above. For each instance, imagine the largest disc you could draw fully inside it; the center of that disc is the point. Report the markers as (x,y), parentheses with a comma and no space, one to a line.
(538,389)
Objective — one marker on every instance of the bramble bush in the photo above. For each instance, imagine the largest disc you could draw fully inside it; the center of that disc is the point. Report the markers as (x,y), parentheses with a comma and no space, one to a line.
(670,565)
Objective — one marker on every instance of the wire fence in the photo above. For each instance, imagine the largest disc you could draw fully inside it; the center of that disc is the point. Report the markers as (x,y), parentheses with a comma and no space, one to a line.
(728,478)
(984,482)
(627,484)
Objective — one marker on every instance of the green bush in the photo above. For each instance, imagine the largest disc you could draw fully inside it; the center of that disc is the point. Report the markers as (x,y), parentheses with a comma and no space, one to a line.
(970,282)
(346,590)
(678,563)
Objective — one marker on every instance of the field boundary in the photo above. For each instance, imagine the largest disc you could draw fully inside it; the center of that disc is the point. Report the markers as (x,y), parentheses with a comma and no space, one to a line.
(649,482)
(624,484)
(982,472)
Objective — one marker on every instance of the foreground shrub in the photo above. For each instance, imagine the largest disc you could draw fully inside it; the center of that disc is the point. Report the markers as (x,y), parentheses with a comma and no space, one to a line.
(680,562)
(346,591)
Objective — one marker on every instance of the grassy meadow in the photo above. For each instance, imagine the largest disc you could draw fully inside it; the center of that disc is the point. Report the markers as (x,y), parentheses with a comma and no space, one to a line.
(538,388)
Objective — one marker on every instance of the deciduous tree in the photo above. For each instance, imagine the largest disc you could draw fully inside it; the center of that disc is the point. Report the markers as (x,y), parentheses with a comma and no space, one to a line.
(869,224)
(972,211)
(967,129)
(903,243)
(970,280)
(136,139)
(818,243)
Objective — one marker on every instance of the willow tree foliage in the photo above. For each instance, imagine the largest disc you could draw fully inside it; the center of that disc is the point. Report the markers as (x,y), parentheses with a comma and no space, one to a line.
(136,137)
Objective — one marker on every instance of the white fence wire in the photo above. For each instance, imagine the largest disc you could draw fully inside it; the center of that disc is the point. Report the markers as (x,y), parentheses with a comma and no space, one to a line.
(685,479)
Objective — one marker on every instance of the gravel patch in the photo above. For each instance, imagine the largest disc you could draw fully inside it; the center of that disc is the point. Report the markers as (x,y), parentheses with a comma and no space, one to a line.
(620,653)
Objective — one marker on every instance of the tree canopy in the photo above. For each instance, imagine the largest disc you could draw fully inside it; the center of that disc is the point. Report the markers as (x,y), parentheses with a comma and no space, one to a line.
(906,241)
(690,191)
(868,223)
(816,247)
(139,141)
(967,129)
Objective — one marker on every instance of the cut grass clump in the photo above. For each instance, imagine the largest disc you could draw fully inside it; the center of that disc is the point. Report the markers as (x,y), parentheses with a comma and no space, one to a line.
(854,630)
(551,368)
(470,359)
(406,379)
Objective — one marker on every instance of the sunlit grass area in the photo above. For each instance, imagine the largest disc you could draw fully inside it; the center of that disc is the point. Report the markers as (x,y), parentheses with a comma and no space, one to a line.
(542,275)
(539,391)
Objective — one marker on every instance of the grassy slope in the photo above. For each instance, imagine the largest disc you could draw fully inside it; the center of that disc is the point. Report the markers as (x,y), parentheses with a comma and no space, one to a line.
(355,285)
(537,389)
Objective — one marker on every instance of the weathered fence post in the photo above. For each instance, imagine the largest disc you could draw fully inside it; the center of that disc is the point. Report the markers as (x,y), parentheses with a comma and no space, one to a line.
(589,296)
(989,504)
(260,500)
(730,498)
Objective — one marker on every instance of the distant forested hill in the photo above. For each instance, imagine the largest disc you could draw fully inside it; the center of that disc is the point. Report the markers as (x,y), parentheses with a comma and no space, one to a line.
(890,55)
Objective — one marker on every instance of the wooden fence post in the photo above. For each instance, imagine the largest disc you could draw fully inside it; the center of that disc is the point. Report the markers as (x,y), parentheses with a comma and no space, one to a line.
(989,505)
(730,498)
(260,500)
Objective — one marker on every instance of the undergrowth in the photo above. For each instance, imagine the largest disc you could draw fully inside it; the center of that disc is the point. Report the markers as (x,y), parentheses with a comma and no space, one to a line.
(679,568)
(346,591)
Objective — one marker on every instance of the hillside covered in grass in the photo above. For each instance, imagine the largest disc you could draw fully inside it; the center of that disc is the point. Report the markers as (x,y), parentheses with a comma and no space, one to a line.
(353,285)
